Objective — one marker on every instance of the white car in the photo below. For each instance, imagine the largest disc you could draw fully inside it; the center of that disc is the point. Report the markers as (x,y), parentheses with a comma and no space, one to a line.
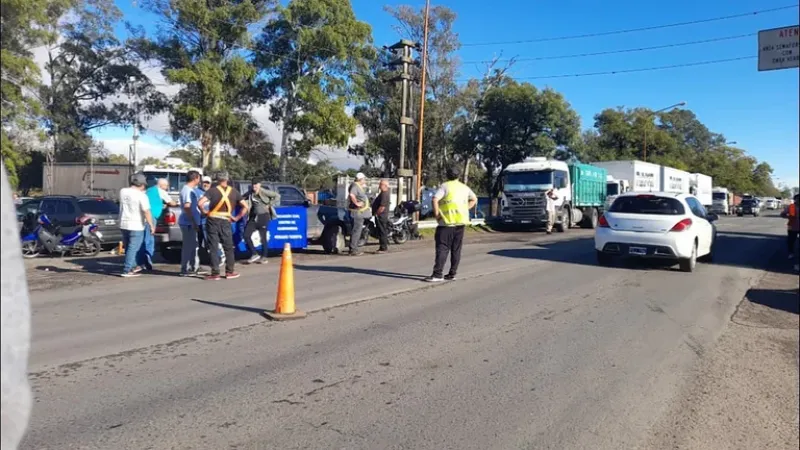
(656,225)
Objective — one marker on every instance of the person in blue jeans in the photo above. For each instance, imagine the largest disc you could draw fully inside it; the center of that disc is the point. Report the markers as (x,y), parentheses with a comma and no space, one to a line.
(134,218)
(158,197)
(190,222)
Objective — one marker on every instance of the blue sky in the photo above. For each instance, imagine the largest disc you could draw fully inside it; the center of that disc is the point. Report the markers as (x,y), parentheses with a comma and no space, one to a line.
(758,110)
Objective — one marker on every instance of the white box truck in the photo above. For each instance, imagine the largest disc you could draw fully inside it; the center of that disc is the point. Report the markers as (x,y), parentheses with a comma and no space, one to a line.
(674,180)
(638,176)
(703,187)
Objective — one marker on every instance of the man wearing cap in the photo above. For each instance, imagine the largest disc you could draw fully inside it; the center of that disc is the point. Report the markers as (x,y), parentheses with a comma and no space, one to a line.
(221,200)
(359,210)
(261,203)
(451,205)
(134,216)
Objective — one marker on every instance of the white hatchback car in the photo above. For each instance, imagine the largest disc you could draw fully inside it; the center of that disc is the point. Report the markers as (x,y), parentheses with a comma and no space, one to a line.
(656,225)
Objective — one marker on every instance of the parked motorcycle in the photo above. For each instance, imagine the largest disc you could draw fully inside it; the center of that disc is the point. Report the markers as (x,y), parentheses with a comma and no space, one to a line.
(30,236)
(401,227)
(85,240)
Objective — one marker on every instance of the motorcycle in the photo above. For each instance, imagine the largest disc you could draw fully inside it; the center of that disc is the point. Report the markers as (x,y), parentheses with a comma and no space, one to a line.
(85,240)
(401,227)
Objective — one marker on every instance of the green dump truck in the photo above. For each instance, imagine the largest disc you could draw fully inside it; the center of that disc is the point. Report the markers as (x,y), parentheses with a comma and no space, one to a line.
(581,191)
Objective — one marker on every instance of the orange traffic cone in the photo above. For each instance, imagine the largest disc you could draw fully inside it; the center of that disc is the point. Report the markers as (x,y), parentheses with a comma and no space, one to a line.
(284,304)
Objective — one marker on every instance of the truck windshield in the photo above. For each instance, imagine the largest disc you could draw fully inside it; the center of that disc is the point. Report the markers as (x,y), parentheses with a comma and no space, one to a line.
(176,179)
(527,181)
(612,188)
(719,196)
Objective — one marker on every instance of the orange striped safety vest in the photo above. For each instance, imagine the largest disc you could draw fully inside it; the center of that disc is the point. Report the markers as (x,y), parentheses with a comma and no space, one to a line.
(792,222)
(225,201)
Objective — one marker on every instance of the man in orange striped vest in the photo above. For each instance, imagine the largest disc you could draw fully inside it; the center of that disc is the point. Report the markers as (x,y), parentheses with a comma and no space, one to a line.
(793,224)
(222,201)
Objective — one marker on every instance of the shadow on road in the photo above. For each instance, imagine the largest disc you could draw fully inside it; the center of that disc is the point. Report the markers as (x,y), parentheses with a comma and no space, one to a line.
(249,309)
(111,265)
(781,299)
(358,270)
(746,250)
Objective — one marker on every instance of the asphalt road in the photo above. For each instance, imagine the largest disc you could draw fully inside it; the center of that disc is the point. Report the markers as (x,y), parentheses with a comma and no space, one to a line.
(533,347)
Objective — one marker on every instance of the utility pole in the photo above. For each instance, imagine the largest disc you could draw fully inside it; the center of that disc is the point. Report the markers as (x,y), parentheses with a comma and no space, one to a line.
(403,50)
(418,194)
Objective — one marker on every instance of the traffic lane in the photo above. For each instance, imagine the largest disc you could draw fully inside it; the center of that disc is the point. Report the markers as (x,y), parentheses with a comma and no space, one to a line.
(554,355)
(101,319)
(46,273)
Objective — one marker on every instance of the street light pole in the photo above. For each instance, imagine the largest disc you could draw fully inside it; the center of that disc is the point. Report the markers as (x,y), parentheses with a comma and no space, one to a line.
(422,87)
(644,158)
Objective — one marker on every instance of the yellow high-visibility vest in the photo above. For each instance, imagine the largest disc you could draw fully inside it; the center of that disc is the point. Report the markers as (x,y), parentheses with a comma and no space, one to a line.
(454,206)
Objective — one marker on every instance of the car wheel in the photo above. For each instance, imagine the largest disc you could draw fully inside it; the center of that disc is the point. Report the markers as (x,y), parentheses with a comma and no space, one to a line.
(332,240)
(604,259)
(688,264)
(590,221)
(171,255)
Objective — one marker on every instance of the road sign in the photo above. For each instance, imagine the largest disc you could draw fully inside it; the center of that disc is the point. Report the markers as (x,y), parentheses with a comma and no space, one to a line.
(290,226)
(779,48)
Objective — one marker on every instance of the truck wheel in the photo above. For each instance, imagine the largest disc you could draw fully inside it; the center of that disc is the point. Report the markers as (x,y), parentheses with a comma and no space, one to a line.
(566,222)
(332,240)
(590,221)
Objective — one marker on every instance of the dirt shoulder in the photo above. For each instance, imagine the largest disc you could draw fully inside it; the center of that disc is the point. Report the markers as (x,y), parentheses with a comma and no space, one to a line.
(744,394)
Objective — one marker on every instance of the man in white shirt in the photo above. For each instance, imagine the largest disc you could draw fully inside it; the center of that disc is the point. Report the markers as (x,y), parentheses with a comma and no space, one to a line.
(134,215)
(551,198)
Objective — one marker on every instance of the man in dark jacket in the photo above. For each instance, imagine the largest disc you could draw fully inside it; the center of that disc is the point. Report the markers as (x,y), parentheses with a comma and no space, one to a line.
(261,203)
(380,209)
(222,201)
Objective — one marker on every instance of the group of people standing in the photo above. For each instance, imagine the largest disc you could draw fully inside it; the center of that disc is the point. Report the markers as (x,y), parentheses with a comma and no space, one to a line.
(207,211)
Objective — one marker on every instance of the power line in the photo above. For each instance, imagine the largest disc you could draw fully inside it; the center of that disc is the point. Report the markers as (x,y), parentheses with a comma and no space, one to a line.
(631,30)
(643,69)
(612,52)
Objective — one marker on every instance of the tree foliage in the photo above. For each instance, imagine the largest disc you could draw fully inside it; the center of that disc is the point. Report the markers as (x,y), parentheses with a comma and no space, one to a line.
(309,55)
(202,48)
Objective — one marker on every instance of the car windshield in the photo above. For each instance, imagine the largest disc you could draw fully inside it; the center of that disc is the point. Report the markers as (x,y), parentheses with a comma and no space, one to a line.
(528,181)
(748,202)
(612,188)
(98,206)
(648,204)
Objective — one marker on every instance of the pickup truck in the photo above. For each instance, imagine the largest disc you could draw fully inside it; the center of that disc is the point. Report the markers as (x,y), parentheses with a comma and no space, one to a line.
(327,225)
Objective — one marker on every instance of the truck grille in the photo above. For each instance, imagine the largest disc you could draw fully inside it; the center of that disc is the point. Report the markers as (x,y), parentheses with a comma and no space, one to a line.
(527,207)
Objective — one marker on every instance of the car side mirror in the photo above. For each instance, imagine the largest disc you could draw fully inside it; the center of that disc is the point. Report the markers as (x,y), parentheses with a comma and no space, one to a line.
(307,203)
(712,217)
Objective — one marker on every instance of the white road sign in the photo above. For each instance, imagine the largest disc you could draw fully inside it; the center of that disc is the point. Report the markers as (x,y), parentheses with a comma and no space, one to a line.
(779,48)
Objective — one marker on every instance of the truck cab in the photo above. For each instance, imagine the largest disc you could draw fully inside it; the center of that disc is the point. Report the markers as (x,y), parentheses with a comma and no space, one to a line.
(580,191)
(720,197)
(615,187)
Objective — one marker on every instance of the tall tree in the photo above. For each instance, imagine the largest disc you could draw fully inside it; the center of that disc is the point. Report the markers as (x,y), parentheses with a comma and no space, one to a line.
(203,47)
(517,121)
(93,81)
(310,54)
(442,70)
(24,25)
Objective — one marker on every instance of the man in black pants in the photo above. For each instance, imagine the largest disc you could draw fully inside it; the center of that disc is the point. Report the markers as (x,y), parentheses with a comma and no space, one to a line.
(451,206)
(221,200)
(261,203)
(380,209)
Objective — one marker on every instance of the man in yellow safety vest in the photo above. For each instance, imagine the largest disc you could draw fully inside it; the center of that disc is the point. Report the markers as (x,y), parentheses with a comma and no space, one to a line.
(451,205)
(222,201)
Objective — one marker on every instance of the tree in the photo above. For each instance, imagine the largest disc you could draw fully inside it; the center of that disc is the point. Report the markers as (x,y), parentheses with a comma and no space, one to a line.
(517,121)
(26,24)
(94,81)
(190,155)
(114,158)
(150,160)
(202,47)
(309,55)
(442,68)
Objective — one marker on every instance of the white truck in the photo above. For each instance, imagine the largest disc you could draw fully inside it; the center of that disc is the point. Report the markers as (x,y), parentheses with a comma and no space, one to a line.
(674,181)
(630,175)
(702,187)
(580,188)
(721,201)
